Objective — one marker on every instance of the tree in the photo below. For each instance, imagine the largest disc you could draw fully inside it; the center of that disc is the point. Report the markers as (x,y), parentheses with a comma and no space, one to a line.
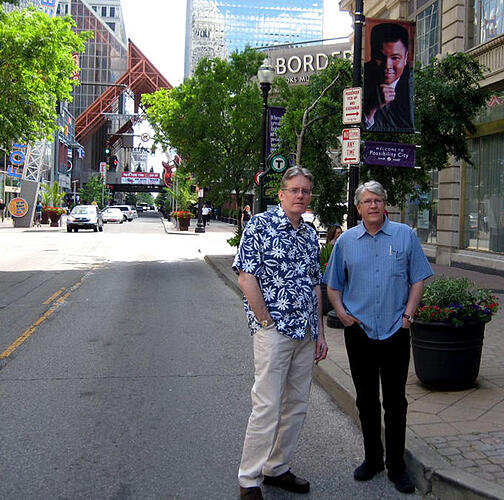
(92,191)
(213,120)
(181,190)
(311,126)
(448,97)
(36,69)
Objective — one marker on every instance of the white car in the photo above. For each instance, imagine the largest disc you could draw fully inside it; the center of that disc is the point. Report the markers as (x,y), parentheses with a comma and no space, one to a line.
(126,210)
(112,215)
(84,217)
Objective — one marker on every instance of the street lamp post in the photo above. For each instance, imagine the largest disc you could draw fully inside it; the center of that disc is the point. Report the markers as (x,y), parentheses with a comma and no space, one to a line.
(353,181)
(265,75)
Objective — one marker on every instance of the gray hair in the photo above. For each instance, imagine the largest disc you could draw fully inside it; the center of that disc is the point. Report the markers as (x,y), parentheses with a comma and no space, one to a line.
(371,186)
(294,172)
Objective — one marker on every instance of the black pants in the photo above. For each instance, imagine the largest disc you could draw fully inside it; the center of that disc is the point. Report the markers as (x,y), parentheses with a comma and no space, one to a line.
(372,361)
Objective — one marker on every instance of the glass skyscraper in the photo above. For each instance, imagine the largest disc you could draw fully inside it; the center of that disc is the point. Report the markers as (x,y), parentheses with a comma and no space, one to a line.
(215,28)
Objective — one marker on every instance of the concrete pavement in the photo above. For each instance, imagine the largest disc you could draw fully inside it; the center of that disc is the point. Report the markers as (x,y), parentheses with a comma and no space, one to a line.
(455,440)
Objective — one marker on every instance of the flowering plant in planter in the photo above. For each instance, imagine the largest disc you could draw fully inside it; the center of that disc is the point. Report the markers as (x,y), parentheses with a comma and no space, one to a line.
(181,214)
(54,210)
(456,301)
(325,255)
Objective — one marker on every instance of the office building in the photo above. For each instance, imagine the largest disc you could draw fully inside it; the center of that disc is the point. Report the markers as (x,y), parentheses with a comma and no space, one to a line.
(216,28)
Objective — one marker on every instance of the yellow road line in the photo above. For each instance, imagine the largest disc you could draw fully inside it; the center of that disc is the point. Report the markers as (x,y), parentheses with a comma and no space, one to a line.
(53,296)
(32,328)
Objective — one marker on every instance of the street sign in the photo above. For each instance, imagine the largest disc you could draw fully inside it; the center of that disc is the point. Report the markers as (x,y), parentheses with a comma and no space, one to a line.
(352,105)
(278,163)
(103,169)
(18,207)
(350,147)
(389,154)
(257,176)
(145,137)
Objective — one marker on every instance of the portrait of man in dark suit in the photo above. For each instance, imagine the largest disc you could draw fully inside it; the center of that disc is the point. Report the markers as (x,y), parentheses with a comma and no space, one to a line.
(388,80)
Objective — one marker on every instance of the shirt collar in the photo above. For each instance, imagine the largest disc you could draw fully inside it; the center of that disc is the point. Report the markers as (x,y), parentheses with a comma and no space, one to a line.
(361,229)
(284,221)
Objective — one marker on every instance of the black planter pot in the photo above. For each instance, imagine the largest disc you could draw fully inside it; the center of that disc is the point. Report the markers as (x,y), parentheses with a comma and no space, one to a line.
(447,357)
(326,304)
(333,321)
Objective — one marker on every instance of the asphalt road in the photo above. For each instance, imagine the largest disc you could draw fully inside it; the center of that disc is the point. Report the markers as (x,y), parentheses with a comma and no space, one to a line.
(136,385)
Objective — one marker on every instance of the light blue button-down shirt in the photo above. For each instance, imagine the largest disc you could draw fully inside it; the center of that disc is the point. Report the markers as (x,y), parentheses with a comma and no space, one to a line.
(375,273)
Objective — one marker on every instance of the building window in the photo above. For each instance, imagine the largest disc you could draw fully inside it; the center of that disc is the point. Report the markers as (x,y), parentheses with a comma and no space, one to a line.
(104,11)
(489,19)
(426,15)
(483,222)
(423,218)
(112,12)
(111,26)
(94,8)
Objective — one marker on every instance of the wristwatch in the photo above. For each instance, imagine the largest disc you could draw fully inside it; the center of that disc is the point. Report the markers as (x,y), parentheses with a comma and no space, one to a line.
(265,323)
(408,317)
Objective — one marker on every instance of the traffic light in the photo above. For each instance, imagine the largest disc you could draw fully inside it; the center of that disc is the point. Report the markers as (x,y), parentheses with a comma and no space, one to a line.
(112,162)
(107,150)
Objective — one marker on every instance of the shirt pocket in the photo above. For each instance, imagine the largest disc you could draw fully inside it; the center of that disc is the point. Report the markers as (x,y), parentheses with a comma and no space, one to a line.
(399,264)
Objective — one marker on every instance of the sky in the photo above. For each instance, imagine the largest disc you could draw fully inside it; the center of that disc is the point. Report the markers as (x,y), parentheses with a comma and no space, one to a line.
(157,27)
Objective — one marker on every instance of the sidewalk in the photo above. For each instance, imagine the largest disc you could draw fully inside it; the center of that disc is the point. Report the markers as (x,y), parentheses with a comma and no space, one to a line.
(455,440)
(8,224)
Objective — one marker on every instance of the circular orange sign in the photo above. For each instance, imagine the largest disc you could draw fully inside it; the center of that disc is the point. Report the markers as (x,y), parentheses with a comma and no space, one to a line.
(18,207)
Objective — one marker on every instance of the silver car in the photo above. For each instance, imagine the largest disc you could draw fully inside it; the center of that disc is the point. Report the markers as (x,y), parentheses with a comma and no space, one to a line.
(84,217)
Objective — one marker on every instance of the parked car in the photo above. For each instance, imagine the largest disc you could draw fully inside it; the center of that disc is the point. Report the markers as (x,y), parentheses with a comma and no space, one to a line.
(126,210)
(135,213)
(84,217)
(111,214)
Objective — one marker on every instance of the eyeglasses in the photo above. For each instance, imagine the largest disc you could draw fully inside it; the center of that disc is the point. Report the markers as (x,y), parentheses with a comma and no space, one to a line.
(296,191)
(374,201)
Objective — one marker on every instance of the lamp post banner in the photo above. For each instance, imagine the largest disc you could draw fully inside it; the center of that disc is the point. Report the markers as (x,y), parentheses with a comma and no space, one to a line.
(275,114)
(390,154)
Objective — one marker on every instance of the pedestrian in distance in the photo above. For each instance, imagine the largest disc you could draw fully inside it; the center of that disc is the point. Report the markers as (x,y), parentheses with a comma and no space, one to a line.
(333,234)
(2,209)
(284,312)
(205,214)
(245,216)
(375,279)
(38,214)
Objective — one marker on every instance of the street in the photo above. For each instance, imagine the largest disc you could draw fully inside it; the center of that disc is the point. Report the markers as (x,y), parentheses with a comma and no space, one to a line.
(126,369)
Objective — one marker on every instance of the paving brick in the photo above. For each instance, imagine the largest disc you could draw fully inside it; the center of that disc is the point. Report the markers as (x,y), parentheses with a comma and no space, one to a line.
(449,451)
(473,455)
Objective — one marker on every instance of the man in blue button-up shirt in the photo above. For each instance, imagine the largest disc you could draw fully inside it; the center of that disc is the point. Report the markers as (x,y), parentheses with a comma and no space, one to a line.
(375,281)
(280,277)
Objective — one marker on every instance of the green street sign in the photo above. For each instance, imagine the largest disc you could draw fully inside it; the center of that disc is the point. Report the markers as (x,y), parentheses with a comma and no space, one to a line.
(278,163)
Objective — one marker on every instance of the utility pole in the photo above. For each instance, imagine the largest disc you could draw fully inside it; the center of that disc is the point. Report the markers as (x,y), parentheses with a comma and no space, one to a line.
(353,181)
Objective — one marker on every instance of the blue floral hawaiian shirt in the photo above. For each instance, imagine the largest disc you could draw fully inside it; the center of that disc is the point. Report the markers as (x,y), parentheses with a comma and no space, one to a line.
(285,262)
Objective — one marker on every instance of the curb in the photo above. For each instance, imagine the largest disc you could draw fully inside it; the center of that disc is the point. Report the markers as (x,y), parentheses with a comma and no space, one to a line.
(179,233)
(429,471)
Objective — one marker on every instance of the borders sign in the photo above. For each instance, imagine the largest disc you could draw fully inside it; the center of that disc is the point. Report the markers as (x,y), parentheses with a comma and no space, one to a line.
(18,207)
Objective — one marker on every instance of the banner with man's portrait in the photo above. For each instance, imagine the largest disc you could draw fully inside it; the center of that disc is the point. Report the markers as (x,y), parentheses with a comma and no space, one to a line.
(388,76)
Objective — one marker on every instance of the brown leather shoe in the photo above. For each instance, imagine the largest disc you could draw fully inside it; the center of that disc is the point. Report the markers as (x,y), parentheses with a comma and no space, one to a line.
(253,493)
(288,481)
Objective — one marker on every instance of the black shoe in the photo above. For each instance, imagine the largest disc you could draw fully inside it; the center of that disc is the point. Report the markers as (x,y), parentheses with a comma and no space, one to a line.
(288,481)
(366,471)
(402,482)
(253,493)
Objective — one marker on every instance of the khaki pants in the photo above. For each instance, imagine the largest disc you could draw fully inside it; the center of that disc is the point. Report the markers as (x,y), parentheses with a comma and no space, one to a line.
(283,375)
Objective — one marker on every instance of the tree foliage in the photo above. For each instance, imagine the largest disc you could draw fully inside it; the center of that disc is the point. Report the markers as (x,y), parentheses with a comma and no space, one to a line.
(314,116)
(213,120)
(92,191)
(36,68)
(448,97)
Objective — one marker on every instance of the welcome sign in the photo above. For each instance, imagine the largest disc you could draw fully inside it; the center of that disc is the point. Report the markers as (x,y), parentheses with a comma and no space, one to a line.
(390,154)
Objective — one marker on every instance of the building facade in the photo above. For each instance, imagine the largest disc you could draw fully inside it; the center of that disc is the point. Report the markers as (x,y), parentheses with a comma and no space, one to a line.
(216,28)
(466,223)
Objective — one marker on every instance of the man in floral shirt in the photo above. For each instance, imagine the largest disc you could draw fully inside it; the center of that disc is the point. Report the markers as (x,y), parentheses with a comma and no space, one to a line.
(280,277)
